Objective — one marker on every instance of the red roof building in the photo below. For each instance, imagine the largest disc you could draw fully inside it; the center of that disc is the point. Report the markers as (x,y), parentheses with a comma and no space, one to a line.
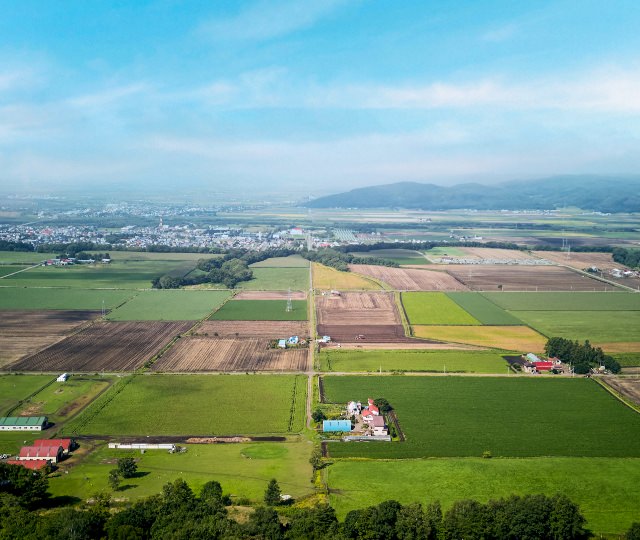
(51,453)
(543,366)
(34,465)
(66,444)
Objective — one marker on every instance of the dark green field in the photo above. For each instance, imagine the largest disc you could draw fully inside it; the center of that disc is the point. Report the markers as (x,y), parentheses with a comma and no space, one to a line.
(514,417)
(565,301)
(35,298)
(482,309)
(261,310)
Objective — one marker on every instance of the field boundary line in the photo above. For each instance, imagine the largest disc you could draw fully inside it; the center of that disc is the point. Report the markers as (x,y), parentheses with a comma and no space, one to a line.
(164,349)
(22,401)
(616,394)
(23,270)
(408,329)
(207,317)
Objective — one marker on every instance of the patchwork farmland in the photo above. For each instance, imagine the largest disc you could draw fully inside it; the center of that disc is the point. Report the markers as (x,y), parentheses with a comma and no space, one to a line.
(434,308)
(411,279)
(262,310)
(23,333)
(199,354)
(248,329)
(104,346)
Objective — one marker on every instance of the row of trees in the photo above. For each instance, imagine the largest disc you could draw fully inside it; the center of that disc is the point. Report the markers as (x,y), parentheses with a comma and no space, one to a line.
(340,259)
(583,356)
(628,257)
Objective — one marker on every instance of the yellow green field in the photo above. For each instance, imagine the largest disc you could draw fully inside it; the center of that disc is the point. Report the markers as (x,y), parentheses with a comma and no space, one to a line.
(328,278)
(512,338)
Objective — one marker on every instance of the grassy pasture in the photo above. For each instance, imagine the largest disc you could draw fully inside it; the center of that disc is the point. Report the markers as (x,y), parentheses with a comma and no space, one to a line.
(327,278)
(44,298)
(197,405)
(509,416)
(14,388)
(60,401)
(261,310)
(243,470)
(412,360)
(596,326)
(628,359)
(24,257)
(482,309)
(277,279)
(117,275)
(565,301)
(6,270)
(399,256)
(510,338)
(293,261)
(604,488)
(434,308)
(450,251)
(169,305)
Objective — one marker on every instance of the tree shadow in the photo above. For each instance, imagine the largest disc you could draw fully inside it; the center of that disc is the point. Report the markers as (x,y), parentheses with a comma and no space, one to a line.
(60,500)
(126,487)
(139,474)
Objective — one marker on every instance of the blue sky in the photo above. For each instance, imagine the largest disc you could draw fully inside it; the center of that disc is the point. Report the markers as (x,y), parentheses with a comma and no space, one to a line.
(316,95)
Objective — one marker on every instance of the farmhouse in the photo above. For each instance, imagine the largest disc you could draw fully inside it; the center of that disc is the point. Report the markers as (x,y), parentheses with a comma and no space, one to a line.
(378,425)
(23,423)
(49,453)
(66,444)
(329,426)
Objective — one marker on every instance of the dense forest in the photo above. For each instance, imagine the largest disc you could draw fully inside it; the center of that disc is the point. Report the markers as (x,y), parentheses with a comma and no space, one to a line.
(583,356)
(602,194)
(179,513)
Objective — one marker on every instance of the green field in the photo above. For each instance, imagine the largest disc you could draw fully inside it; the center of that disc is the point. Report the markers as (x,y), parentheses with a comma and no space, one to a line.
(450,251)
(399,256)
(261,310)
(482,309)
(628,359)
(61,401)
(14,388)
(508,416)
(197,405)
(412,360)
(6,270)
(565,301)
(159,256)
(277,279)
(434,308)
(26,257)
(595,326)
(605,489)
(293,261)
(117,275)
(43,298)
(243,470)
(169,305)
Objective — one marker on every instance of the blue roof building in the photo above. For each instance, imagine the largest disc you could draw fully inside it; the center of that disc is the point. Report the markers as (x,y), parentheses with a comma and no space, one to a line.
(336,425)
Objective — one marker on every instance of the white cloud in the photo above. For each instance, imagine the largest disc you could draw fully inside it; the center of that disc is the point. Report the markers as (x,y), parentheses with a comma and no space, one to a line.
(269,19)
(108,96)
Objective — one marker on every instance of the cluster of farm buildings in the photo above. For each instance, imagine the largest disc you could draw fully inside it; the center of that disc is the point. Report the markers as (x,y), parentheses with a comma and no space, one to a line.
(369,423)
(42,453)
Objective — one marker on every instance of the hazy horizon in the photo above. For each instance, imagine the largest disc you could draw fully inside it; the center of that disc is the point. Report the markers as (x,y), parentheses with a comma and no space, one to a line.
(317,97)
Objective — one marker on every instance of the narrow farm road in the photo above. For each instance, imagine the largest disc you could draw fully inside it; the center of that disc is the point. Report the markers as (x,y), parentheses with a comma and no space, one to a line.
(23,270)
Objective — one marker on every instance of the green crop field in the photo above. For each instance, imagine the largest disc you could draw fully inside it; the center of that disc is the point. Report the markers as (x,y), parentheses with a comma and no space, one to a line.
(169,305)
(196,405)
(628,359)
(117,256)
(605,489)
(293,261)
(434,308)
(566,301)
(508,416)
(26,257)
(277,279)
(117,275)
(261,310)
(596,326)
(482,309)
(244,470)
(450,251)
(60,401)
(6,270)
(399,256)
(14,388)
(43,298)
(412,360)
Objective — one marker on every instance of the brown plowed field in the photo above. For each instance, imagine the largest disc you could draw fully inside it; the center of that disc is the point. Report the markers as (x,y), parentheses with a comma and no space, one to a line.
(363,333)
(410,279)
(526,278)
(270,295)
(105,346)
(195,354)
(253,329)
(358,309)
(26,332)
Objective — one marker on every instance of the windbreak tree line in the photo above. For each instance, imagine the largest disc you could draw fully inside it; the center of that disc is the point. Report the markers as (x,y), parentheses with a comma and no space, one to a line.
(583,356)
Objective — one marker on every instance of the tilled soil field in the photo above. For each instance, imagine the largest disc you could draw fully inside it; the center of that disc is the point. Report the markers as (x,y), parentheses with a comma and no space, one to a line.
(270,295)
(525,278)
(629,387)
(105,346)
(358,309)
(197,354)
(363,333)
(26,332)
(410,279)
(253,329)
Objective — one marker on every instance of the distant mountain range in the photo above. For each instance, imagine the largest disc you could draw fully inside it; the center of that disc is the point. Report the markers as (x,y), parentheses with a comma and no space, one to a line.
(596,193)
